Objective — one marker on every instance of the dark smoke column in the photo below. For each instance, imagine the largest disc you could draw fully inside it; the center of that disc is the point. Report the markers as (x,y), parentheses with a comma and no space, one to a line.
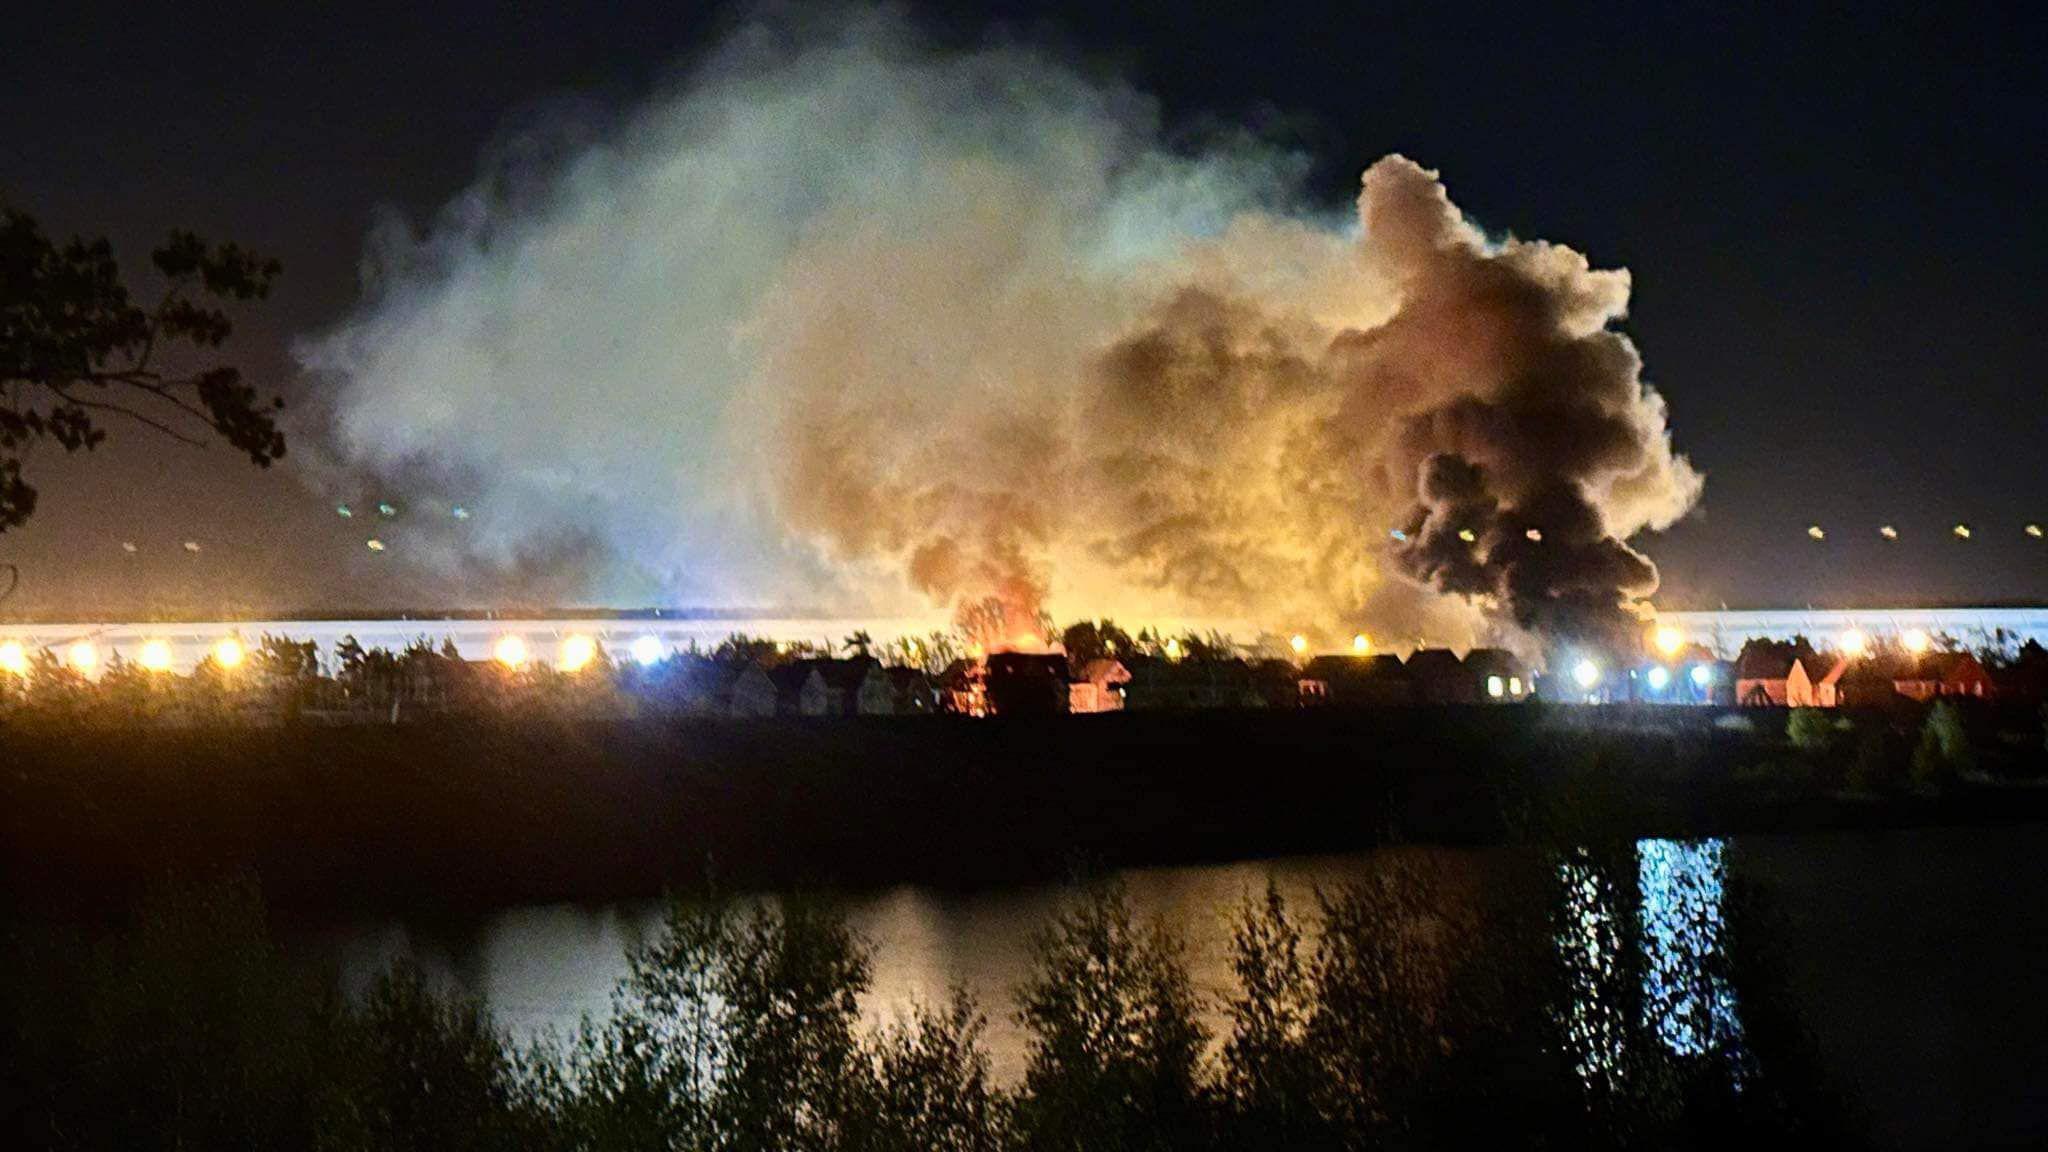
(1539,448)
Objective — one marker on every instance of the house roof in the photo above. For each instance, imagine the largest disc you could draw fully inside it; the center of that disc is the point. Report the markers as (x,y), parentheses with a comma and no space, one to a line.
(1105,670)
(789,678)
(1773,659)
(1049,664)
(1435,663)
(902,678)
(1355,668)
(845,675)
(1492,662)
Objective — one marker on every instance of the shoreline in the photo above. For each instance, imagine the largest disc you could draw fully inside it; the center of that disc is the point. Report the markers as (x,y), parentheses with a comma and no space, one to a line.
(467,816)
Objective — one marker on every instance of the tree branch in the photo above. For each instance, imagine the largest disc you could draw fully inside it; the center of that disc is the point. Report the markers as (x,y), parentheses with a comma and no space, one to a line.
(132,414)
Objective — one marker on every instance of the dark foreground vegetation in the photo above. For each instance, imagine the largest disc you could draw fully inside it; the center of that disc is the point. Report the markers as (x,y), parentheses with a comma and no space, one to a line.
(1538,1016)
(469,815)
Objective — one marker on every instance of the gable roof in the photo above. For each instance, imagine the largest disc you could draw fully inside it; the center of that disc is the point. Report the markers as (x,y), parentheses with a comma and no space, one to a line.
(1772,659)
(845,675)
(1492,662)
(1435,662)
(1383,667)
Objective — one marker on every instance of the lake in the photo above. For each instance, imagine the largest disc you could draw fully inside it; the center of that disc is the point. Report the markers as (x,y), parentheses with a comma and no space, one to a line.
(1919,958)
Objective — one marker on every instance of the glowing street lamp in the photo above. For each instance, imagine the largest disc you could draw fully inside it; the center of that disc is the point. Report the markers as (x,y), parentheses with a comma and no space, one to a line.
(1172,648)
(647,650)
(14,658)
(228,653)
(1888,532)
(1817,532)
(1361,644)
(1660,678)
(1962,531)
(1853,642)
(83,656)
(1586,674)
(155,655)
(509,651)
(1299,644)
(1917,641)
(1702,675)
(1668,640)
(577,652)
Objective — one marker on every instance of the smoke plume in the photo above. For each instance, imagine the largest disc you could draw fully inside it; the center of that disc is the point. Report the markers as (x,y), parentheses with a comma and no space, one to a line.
(850,322)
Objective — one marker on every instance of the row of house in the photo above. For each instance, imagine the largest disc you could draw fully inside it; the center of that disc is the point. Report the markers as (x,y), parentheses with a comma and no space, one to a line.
(1790,675)
(1019,683)
(855,686)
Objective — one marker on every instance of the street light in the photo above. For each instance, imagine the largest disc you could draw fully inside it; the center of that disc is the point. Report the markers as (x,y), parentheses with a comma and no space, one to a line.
(1299,644)
(1586,673)
(83,656)
(14,658)
(1669,640)
(155,655)
(577,652)
(1660,678)
(647,650)
(1702,675)
(228,653)
(510,651)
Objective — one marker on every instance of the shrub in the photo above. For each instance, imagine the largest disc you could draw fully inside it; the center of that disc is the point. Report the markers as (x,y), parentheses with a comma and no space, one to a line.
(1116,1040)
(1944,751)
(1810,730)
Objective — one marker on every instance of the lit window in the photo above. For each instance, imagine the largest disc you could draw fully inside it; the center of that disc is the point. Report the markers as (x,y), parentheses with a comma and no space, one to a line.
(1495,686)
(1514,685)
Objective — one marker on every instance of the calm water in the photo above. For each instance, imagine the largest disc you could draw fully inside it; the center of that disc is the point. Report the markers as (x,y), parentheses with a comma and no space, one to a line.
(1920,958)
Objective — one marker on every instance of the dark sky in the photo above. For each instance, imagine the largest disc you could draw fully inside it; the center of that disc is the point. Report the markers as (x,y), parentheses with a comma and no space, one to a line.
(1834,222)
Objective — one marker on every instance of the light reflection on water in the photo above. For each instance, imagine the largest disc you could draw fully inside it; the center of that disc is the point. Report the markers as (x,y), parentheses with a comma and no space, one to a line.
(1913,955)
(544,969)
(1678,987)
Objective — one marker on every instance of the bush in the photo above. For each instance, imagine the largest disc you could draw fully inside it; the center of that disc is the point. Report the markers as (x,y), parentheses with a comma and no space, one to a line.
(1116,1039)
(1944,751)
(1569,1011)
(1810,730)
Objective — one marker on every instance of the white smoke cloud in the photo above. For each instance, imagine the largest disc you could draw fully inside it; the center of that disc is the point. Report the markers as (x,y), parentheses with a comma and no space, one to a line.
(849,322)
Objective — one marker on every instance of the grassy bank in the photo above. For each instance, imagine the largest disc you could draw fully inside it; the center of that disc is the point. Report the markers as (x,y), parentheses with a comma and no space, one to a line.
(475,814)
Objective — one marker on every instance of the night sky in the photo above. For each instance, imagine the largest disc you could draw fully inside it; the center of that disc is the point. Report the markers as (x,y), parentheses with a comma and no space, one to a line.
(1833,223)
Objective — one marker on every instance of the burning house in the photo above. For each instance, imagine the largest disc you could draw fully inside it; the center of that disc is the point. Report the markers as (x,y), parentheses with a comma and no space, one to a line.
(1027,683)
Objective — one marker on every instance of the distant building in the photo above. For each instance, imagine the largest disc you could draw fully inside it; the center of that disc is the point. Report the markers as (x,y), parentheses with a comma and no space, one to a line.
(1499,675)
(1440,677)
(963,688)
(1099,686)
(2025,678)
(1888,677)
(1356,681)
(1277,683)
(1811,677)
(1944,674)
(856,686)
(800,690)
(912,693)
(1182,685)
(748,692)
(1764,672)
(1026,683)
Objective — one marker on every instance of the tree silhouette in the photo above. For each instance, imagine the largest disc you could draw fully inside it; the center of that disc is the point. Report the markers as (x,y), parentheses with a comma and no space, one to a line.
(75,348)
